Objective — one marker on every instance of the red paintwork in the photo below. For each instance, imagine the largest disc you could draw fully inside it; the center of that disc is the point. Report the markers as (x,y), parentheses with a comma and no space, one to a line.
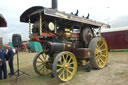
(117,39)
(48,34)
(75,36)
(35,38)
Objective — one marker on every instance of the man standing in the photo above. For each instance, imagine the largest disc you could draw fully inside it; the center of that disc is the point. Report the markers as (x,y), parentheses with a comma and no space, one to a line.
(9,57)
(3,66)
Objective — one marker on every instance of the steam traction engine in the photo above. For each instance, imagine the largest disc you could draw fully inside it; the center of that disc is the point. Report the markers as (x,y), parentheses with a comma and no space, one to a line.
(67,40)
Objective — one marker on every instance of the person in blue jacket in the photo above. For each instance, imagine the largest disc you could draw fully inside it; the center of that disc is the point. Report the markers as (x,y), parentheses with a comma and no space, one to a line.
(3,68)
(9,57)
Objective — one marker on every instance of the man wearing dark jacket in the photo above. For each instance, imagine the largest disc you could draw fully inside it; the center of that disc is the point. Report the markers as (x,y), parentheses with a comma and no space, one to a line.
(9,57)
(3,66)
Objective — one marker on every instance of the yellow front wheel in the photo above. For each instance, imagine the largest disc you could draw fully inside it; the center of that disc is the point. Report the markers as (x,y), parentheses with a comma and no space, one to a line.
(64,66)
(99,52)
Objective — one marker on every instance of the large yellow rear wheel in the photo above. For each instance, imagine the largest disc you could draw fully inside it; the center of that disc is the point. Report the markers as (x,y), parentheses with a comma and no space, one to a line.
(39,64)
(99,52)
(64,66)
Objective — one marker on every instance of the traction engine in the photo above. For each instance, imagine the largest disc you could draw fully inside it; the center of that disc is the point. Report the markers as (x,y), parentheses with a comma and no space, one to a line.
(67,41)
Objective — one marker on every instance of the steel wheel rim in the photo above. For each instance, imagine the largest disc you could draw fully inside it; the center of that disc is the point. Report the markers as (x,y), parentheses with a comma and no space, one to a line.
(41,64)
(66,67)
(101,53)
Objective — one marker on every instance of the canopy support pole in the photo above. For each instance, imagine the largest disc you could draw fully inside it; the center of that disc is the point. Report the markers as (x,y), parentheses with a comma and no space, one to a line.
(40,24)
(55,27)
(29,27)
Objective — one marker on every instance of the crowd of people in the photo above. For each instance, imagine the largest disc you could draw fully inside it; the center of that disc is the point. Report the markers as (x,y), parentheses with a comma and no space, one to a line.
(6,54)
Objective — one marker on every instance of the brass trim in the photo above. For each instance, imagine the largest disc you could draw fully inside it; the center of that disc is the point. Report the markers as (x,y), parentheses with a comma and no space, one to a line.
(84,62)
(89,53)
(66,29)
(40,24)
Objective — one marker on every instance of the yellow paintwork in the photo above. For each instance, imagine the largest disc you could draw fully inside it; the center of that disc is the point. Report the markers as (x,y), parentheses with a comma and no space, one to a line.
(66,67)
(101,53)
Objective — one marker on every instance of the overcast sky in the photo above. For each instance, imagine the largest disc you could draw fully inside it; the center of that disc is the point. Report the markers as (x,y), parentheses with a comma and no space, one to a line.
(113,12)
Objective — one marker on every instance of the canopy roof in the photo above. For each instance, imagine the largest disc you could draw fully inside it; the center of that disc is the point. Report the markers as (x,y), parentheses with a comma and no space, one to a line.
(3,22)
(35,11)
(25,16)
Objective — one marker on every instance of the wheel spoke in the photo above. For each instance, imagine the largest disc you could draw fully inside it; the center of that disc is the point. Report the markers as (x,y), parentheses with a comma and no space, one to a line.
(43,56)
(45,70)
(39,65)
(61,74)
(101,45)
(69,60)
(70,67)
(46,57)
(60,60)
(103,56)
(59,69)
(41,68)
(103,50)
(59,65)
(101,60)
(71,63)
(64,58)
(66,73)
(38,62)
(69,71)
(41,59)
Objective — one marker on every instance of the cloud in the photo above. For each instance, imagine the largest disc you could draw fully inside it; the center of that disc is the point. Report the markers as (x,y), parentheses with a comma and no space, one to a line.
(120,22)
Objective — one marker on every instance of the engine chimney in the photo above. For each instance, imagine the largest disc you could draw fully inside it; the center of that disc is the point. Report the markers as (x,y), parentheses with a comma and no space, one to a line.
(54,4)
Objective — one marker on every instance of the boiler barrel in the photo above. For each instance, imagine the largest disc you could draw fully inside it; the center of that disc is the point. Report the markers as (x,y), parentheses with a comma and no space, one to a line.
(56,47)
(60,46)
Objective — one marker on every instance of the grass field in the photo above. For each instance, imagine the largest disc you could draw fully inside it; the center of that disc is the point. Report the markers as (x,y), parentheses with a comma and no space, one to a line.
(116,73)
